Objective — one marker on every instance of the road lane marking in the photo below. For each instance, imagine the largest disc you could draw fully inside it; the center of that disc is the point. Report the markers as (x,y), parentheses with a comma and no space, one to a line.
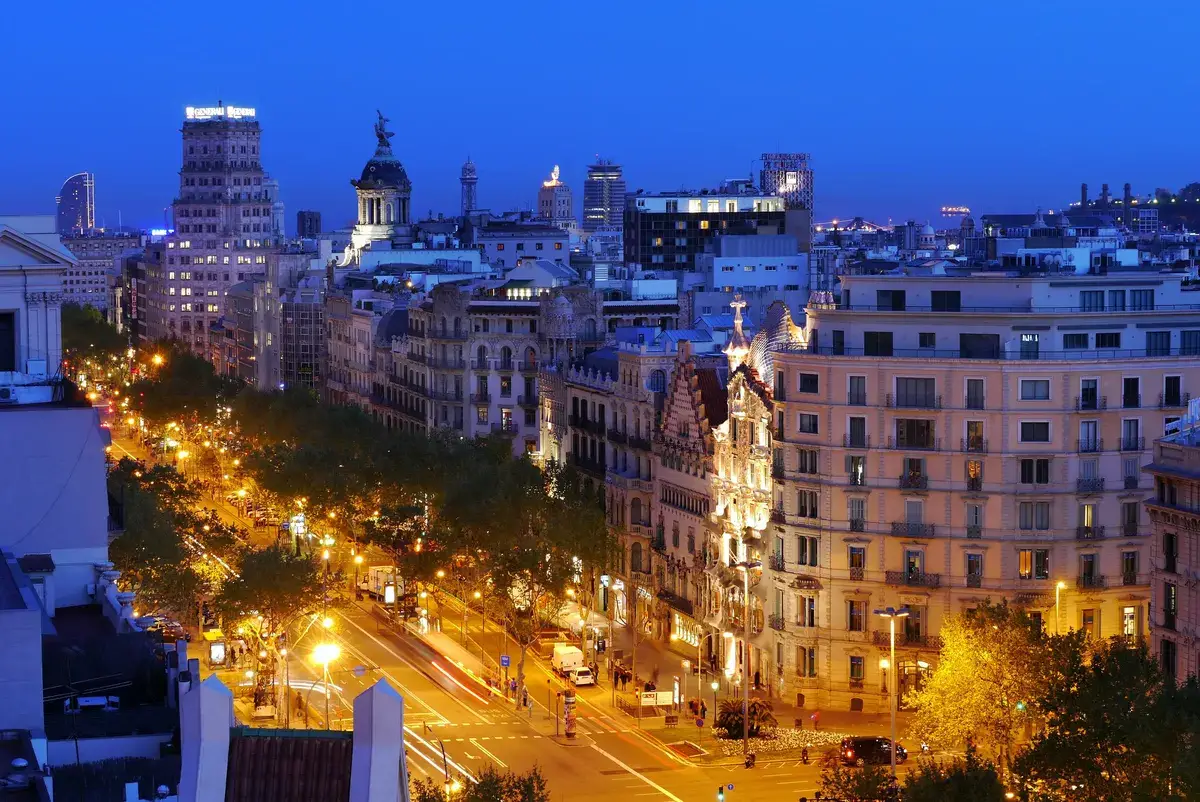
(639,775)
(446,757)
(405,660)
(503,765)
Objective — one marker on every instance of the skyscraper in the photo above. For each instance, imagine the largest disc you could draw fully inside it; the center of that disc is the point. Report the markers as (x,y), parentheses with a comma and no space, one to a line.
(790,176)
(603,196)
(308,224)
(76,203)
(555,202)
(226,218)
(469,179)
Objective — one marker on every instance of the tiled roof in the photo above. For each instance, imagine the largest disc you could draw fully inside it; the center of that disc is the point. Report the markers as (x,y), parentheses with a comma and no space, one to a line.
(288,765)
(712,395)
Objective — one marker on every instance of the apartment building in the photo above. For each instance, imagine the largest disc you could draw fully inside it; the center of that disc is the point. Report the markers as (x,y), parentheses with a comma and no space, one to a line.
(1174,510)
(943,439)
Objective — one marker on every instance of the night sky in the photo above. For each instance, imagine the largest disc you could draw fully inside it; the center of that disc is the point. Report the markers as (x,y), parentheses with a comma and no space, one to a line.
(905,106)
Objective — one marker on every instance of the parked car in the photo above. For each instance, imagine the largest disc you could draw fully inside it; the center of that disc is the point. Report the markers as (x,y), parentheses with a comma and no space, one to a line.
(583,676)
(863,750)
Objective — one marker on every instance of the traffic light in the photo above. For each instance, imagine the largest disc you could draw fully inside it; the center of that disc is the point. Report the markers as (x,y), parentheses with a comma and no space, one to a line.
(720,793)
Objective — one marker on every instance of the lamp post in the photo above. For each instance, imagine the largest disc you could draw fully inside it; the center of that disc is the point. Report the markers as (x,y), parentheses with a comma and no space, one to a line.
(325,654)
(358,561)
(891,614)
(1058,589)
(745,566)
(715,684)
(287,688)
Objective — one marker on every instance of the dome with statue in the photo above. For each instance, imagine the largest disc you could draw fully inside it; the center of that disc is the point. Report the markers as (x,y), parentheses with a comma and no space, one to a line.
(383,170)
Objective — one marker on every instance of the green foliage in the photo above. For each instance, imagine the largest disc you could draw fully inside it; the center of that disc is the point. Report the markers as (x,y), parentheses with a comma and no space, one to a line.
(850,784)
(729,717)
(1114,729)
(273,583)
(185,387)
(993,667)
(86,335)
(969,780)
(493,786)
(151,554)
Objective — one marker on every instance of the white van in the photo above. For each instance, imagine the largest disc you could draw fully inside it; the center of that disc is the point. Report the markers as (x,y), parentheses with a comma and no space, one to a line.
(583,676)
(566,658)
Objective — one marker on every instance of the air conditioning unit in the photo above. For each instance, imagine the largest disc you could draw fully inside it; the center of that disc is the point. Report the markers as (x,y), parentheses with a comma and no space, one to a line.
(8,394)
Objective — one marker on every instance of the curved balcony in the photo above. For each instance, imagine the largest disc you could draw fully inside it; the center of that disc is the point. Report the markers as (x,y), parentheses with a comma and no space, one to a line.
(913,579)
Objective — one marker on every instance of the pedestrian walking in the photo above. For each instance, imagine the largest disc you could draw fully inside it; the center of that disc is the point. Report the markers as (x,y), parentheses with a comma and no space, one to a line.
(816,718)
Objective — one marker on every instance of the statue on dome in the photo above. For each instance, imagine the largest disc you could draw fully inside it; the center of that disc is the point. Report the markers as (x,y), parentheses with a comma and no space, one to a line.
(381,133)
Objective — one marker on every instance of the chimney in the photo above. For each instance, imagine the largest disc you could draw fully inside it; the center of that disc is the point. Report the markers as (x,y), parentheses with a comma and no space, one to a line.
(1083,207)
(205,716)
(1104,196)
(1127,206)
(378,746)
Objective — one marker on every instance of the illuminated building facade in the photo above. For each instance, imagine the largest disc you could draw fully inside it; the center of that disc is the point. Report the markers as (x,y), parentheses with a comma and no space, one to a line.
(556,204)
(76,204)
(227,219)
(671,230)
(603,196)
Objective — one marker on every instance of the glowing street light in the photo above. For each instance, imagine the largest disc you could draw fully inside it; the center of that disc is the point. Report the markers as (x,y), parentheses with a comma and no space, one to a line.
(327,622)
(157,359)
(324,654)
(1058,589)
(891,614)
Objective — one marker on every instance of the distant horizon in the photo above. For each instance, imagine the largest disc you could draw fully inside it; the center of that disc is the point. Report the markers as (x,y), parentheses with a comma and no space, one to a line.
(903,109)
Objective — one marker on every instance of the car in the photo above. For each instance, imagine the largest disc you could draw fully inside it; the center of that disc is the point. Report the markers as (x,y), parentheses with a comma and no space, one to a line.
(583,676)
(860,751)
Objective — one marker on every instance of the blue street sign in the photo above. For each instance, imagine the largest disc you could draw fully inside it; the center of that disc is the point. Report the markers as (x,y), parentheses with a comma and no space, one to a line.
(730,786)
(505,661)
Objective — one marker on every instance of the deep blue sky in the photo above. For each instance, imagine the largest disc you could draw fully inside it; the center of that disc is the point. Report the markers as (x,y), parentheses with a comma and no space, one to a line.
(905,106)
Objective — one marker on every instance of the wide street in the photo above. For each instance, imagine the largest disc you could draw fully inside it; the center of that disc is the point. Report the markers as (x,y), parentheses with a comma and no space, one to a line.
(609,759)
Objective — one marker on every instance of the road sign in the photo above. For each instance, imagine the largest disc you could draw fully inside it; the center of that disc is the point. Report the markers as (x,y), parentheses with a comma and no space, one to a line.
(730,786)
(505,660)
(699,721)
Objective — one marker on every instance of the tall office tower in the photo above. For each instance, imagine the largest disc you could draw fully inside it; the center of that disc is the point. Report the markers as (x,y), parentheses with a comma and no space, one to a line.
(76,204)
(469,179)
(555,202)
(308,224)
(603,196)
(790,176)
(226,219)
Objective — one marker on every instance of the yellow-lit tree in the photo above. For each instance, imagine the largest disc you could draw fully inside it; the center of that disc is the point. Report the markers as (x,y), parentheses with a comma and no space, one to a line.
(994,665)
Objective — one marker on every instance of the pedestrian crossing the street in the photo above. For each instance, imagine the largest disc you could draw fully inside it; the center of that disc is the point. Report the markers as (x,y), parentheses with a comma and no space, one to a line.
(589,725)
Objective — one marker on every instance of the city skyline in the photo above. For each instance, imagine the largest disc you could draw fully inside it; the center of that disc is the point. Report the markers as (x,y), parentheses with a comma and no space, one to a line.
(974,119)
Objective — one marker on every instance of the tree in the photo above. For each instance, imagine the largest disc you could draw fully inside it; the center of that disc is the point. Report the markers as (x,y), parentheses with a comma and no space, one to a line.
(863,784)
(184,387)
(273,583)
(1108,733)
(87,336)
(994,665)
(493,786)
(729,717)
(969,780)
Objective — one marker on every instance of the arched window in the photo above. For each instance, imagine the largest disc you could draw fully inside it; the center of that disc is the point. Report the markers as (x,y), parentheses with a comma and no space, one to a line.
(391,213)
(530,356)
(658,381)
(635,510)
(635,557)
(481,358)
(457,326)
(506,358)
(589,328)
(675,535)
(443,324)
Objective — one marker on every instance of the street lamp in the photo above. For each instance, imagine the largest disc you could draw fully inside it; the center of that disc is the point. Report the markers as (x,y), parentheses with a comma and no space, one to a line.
(891,614)
(358,560)
(744,566)
(715,685)
(1057,590)
(324,654)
